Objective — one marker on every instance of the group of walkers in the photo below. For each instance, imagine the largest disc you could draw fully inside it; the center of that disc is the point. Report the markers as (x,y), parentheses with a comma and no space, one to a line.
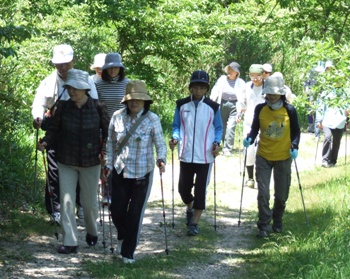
(101,128)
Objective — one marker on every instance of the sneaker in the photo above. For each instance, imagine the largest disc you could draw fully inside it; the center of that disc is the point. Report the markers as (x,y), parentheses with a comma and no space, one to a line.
(264,231)
(67,249)
(193,230)
(106,201)
(80,212)
(128,261)
(119,246)
(250,183)
(189,217)
(55,218)
(91,240)
(325,164)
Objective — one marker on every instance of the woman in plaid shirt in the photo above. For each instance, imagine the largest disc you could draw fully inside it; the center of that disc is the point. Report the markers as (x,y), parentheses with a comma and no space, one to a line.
(132,164)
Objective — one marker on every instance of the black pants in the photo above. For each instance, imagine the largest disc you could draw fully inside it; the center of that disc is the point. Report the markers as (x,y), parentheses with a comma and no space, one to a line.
(197,176)
(129,200)
(52,184)
(331,144)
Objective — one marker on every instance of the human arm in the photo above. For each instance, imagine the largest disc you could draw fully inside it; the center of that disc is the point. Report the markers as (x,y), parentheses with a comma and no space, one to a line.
(93,91)
(175,129)
(159,142)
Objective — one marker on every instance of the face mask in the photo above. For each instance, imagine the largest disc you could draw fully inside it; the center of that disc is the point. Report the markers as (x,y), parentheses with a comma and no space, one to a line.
(276,105)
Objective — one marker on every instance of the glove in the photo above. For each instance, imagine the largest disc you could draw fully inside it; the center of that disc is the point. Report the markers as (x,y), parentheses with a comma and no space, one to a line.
(293,153)
(247,141)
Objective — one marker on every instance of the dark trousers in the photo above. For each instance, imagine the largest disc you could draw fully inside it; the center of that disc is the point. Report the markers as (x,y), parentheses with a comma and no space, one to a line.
(52,189)
(129,200)
(197,176)
(331,144)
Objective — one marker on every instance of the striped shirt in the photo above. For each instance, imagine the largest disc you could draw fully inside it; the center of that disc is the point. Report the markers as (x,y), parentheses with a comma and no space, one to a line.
(137,156)
(111,94)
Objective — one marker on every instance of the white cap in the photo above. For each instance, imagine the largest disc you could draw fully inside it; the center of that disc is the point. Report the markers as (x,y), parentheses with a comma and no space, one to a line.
(267,68)
(62,54)
(99,61)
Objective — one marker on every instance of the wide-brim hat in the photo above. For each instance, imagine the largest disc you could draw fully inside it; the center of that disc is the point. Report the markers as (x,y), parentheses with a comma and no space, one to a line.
(113,60)
(234,66)
(62,54)
(274,85)
(136,90)
(78,79)
(99,61)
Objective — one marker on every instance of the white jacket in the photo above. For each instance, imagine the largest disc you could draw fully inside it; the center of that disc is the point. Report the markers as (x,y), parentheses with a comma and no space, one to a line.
(216,92)
(49,90)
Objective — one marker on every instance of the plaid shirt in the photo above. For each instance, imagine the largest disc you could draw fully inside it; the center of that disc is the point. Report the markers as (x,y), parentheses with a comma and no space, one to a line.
(137,156)
(76,132)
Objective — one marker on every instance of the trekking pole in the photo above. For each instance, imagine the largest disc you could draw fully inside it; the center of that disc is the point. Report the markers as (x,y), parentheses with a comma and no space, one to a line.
(301,193)
(346,140)
(109,214)
(50,193)
(165,233)
(99,193)
(214,195)
(35,170)
(318,140)
(240,152)
(240,209)
(172,185)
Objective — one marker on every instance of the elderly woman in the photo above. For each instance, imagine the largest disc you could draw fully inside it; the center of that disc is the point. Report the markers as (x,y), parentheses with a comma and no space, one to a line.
(133,133)
(226,91)
(75,129)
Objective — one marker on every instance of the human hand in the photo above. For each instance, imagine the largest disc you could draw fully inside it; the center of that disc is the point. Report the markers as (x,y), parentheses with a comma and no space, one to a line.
(172,143)
(215,149)
(41,145)
(37,123)
(246,142)
(161,165)
(293,153)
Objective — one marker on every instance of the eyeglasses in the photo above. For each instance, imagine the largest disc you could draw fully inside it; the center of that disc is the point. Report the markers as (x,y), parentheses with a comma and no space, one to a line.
(255,77)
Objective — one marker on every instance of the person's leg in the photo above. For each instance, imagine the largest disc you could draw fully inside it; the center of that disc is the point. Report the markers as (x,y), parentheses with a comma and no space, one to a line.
(186,183)
(141,189)
(282,179)
(337,136)
(88,179)
(53,183)
(263,178)
(120,202)
(68,177)
(231,128)
(327,146)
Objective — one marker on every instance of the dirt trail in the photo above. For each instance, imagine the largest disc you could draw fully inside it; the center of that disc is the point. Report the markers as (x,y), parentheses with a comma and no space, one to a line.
(36,257)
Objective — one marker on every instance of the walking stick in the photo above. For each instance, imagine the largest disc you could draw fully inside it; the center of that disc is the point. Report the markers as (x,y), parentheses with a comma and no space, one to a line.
(172,185)
(35,170)
(214,195)
(318,140)
(301,193)
(240,152)
(109,215)
(240,209)
(346,140)
(50,193)
(165,233)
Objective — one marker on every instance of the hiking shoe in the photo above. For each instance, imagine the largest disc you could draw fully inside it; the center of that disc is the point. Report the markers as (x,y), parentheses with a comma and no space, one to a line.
(106,201)
(128,261)
(325,164)
(55,218)
(193,230)
(119,246)
(277,227)
(189,217)
(264,231)
(250,183)
(67,249)
(91,240)
(80,212)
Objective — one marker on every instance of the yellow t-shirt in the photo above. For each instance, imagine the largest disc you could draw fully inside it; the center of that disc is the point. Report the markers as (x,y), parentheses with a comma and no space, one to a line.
(275,143)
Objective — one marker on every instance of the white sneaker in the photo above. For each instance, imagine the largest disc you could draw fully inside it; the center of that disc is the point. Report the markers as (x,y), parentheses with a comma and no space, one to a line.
(119,246)
(55,218)
(128,261)
(250,183)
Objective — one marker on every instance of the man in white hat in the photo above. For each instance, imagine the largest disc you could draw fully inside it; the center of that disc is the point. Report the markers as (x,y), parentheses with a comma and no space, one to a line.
(51,90)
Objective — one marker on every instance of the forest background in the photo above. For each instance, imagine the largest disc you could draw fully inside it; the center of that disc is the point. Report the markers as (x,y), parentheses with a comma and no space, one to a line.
(161,42)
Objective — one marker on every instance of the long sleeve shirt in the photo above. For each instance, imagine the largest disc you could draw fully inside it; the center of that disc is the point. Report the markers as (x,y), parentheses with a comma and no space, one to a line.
(136,158)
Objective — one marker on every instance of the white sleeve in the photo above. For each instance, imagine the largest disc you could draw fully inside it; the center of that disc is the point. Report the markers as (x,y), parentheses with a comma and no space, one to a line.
(93,91)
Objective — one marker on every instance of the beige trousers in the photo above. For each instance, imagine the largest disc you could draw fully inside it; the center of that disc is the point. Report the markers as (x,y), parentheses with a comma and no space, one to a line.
(88,181)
